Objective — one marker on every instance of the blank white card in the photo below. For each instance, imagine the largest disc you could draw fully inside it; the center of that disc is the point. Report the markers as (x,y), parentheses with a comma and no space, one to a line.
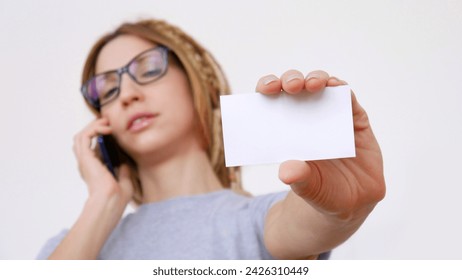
(262,129)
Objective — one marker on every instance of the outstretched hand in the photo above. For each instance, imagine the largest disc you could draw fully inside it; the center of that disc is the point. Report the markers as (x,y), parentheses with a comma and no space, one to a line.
(344,188)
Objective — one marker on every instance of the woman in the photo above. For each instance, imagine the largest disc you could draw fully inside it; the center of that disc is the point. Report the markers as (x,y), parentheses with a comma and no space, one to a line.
(165,118)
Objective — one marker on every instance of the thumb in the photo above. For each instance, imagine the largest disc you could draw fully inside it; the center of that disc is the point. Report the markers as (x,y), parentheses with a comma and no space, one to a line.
(303,177)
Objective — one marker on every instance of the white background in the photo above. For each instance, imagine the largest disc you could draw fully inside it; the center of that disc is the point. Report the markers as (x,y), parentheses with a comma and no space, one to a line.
(402,58)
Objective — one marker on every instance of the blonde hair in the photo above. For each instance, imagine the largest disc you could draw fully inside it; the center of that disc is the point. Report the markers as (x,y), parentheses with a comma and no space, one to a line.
(207,82)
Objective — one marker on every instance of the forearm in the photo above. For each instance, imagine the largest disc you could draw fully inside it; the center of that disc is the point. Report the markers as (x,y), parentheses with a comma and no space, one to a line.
(91,230)
(294,229)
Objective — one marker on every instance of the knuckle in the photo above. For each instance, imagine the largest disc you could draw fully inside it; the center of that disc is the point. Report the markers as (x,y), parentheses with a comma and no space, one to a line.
(363,117)
(380,191)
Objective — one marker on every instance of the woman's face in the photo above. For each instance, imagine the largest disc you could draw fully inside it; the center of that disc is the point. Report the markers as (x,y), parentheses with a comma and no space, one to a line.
(151,120)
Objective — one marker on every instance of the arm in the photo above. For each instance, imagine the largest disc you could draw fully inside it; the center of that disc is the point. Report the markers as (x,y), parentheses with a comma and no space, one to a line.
(330,199)
(106,202)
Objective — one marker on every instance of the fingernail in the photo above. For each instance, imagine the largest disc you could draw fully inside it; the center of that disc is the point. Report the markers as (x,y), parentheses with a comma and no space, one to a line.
(313,76)
(292,77)
(269,79)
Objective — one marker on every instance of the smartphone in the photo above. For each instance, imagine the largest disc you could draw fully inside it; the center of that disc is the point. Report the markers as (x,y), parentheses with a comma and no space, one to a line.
(109,152)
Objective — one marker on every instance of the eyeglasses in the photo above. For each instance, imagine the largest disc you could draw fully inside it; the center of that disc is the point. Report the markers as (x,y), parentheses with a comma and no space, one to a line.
(145,68)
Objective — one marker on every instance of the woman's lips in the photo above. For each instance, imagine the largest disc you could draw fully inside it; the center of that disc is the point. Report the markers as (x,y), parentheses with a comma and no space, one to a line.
(139,121)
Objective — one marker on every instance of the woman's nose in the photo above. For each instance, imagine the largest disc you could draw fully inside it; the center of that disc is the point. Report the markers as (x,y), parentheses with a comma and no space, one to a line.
(130,91)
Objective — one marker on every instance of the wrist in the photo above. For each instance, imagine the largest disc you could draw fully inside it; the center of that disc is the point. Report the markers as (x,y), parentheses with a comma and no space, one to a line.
(100,215)
(104,202)
(347,220)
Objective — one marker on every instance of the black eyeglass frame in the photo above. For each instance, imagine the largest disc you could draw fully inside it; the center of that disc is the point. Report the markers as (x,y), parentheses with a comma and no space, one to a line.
(125,69)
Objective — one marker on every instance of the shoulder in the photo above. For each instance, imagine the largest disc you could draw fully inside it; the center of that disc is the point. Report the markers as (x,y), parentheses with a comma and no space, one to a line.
(238,201)
(264,202)
(249,211)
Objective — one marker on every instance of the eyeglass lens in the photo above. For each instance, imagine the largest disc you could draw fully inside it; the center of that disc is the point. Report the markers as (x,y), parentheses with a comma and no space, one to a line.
(145,68)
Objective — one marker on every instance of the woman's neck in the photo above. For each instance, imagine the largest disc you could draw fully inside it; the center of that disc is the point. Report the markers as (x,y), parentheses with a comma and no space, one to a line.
(187,173)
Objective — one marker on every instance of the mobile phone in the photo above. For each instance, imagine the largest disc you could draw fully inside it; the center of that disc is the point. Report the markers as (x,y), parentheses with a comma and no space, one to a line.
(109,152)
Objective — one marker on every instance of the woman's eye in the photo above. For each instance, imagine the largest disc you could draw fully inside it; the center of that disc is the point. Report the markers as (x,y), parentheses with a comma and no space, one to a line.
(109,93)
(151,73)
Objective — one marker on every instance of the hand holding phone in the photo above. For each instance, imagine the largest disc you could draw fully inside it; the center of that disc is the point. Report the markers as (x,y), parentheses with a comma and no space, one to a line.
(109,152)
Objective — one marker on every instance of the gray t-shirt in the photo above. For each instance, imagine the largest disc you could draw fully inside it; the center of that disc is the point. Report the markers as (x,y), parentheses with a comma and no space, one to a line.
(217,225)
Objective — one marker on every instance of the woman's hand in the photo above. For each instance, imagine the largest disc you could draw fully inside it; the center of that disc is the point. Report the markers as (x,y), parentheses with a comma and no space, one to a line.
(105,205)
(99,180)
(341,188)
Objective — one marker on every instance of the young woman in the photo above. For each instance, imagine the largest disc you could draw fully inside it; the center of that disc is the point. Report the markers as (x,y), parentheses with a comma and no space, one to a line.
(155,90)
